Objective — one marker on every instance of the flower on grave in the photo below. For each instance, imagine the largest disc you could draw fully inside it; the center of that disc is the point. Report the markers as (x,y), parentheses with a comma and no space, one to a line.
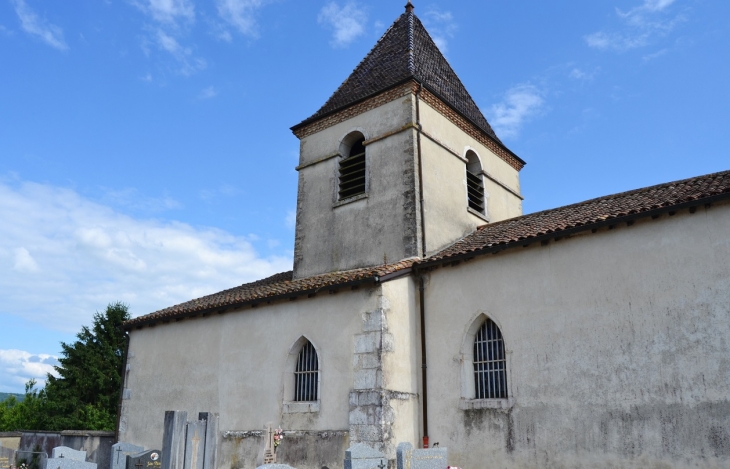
(278,436)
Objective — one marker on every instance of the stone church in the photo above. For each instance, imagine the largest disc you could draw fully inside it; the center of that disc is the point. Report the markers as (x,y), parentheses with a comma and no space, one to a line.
(424,307)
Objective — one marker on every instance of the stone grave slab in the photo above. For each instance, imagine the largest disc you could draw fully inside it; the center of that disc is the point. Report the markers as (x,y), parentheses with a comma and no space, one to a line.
(432,458)
(120,451)
(65,463)
(64,452)
(7,457)
(275,466)
(195,445)
(362,456)
(151,459)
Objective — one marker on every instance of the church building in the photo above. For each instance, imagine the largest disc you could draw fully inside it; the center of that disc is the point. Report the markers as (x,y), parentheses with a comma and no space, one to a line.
(424,307)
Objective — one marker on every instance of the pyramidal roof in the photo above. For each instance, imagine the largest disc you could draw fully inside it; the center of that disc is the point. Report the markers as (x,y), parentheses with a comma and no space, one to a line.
(406,51)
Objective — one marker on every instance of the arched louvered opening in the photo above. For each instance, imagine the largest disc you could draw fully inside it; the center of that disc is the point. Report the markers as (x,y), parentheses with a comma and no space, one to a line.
(490,364)
(306,376)
(352,169)
(474,183)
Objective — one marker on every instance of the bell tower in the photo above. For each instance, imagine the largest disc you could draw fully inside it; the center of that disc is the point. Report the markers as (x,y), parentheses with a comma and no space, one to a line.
(399,162)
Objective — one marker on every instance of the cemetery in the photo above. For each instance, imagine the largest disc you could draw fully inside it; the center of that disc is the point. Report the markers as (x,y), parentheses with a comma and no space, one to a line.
(193,444)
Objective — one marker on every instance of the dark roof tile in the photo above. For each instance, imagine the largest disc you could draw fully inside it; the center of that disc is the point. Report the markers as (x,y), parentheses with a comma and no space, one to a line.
(405,51)
(278,285)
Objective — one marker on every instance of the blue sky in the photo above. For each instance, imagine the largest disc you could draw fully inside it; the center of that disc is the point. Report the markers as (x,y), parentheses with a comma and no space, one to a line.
(146,155)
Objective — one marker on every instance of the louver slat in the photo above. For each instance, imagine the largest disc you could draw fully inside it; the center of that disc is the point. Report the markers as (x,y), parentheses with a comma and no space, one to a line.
(352,176)
(475,191)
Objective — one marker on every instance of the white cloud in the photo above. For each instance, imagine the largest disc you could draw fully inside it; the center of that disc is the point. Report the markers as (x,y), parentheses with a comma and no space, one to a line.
(519,104)
(19,366)
(581,74)
(24,262)
(642,25)
(76,256)
(224,190)
(441,26)
(167,11)
(291,219)
(207,93)
(184,55)
(32,24)
(241,15)
(348,22)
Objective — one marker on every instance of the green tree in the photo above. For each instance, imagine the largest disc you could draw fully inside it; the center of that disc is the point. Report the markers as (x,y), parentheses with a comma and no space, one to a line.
(28,414)
(86,393)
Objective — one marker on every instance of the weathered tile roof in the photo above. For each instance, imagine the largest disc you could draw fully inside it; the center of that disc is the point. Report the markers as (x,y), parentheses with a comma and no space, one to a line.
(276,286)
(405,51)
(591,212)
(503,234)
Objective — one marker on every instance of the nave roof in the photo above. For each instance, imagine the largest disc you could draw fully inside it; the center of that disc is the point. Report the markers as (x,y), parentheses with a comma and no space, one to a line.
(601,211)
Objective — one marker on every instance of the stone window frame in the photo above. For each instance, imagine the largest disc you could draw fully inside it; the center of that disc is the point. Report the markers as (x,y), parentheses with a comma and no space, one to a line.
(343,151)
(480,173)
(466,359)
(290,406)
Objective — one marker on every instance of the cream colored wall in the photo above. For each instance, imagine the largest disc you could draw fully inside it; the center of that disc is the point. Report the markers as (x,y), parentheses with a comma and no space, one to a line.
(617,344)
(447,218)
(401,365)
(234,364)
(377,229)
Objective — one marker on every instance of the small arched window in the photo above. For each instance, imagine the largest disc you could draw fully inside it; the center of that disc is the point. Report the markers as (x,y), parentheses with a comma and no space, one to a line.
(306,375)
(490,364)
(474,183)
(352,168)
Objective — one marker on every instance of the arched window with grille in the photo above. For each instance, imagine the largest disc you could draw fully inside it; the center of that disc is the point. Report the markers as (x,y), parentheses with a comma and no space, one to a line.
(306,375)
(490,364)
(352,167)
(475,183)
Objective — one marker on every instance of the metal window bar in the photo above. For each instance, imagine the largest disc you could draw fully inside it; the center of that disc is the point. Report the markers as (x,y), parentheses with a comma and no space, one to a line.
(306,376)
(475,191)
(490,364)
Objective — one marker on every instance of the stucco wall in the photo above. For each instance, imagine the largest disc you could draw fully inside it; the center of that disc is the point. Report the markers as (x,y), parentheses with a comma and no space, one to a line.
(370,231)
(235,364)
(617,346)
(444,177)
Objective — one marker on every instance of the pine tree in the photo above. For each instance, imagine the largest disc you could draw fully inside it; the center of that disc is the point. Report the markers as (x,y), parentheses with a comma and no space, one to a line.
(86,393)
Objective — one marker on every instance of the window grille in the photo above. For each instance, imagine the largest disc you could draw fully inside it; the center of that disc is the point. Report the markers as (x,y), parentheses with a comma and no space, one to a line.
(475,191)
(352,172)
(490,377)
(306,376)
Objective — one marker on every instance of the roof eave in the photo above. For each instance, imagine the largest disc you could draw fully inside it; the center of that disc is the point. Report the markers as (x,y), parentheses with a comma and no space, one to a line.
(139,323)
(565,232)
(311,120)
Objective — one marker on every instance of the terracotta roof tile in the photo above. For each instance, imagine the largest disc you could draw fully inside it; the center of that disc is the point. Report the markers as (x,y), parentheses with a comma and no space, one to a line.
(405,51)
(586,213)
(278,285)
(500,234)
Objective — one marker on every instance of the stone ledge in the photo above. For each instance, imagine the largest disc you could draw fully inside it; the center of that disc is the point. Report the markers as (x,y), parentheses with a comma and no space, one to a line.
(301,407)
(474,404)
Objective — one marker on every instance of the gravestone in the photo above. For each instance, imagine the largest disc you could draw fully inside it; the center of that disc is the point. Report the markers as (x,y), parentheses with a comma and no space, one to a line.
(7,457)
(275,466)
(68,453)
(269,454)
(189,444)
(409,458)
(66,463)
(120,451)
(195,444)
(361,456)
(151,459)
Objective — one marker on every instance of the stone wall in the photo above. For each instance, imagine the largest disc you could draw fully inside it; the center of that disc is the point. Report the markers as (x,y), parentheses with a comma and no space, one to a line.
(300,449)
